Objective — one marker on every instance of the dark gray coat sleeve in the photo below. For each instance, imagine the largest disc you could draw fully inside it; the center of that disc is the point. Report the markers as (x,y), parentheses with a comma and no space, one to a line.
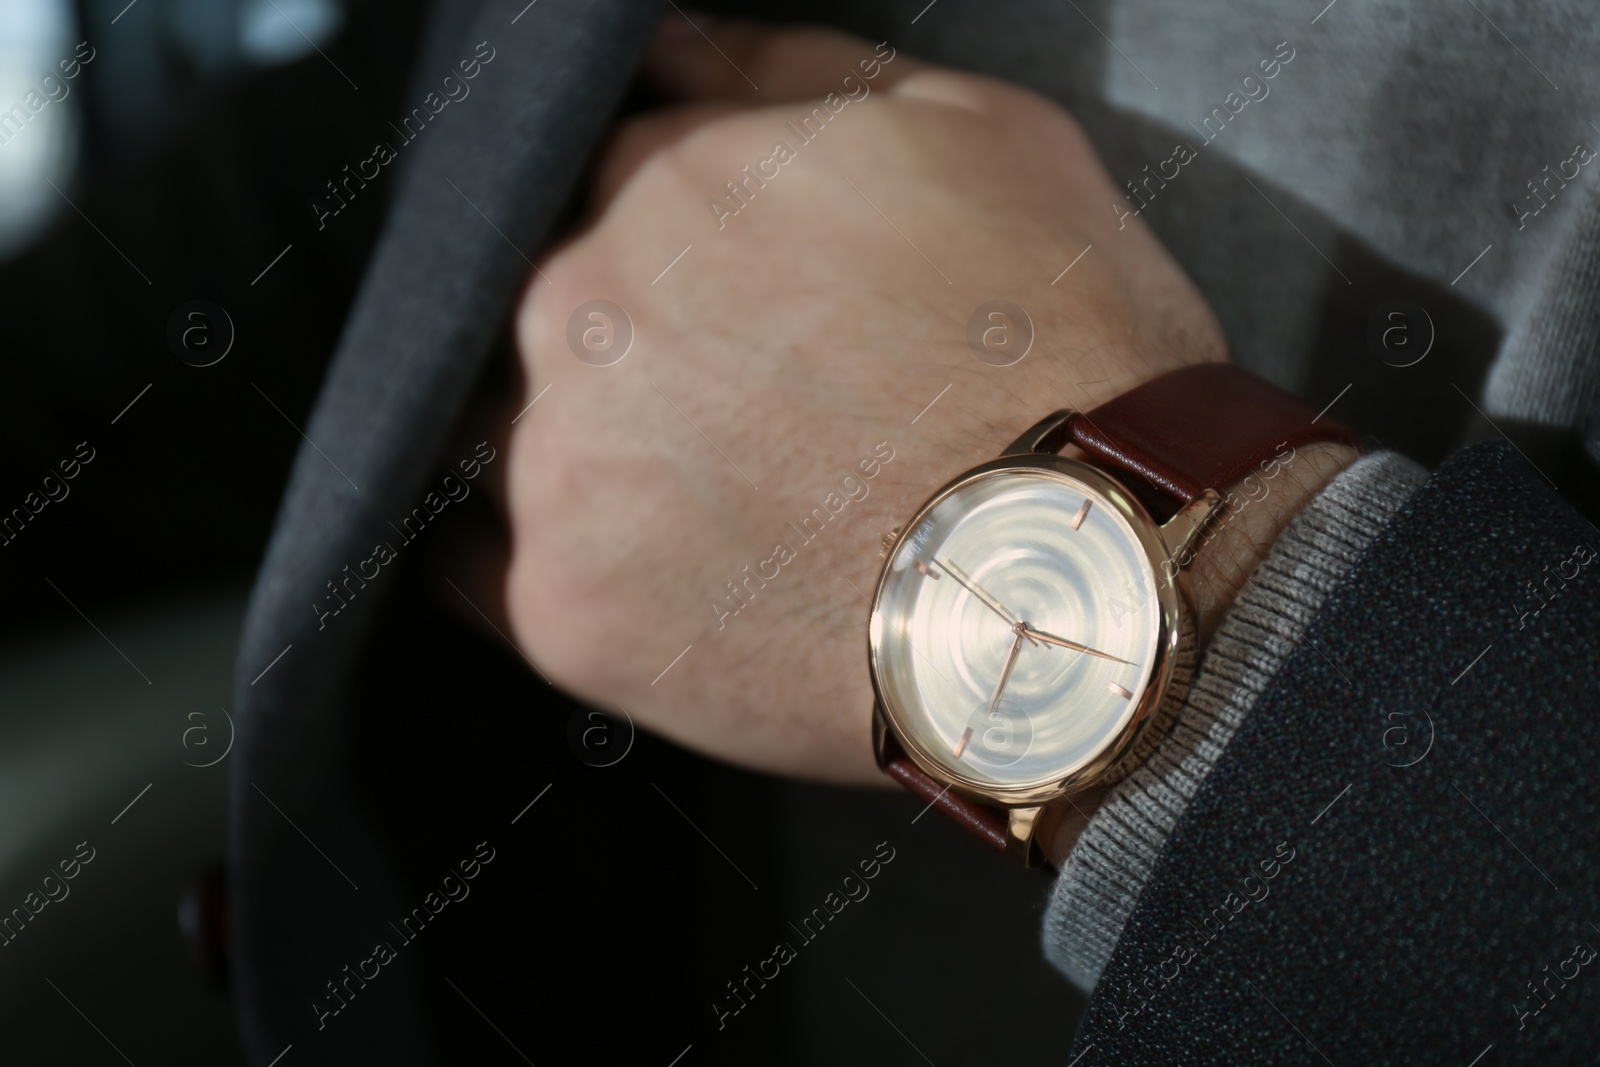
(482,188)
(1393,860)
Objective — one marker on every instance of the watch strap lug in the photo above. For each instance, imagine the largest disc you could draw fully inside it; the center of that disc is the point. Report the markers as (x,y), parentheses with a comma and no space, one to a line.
(1020,843)
(880,736)
(1048,435)
(1180,532)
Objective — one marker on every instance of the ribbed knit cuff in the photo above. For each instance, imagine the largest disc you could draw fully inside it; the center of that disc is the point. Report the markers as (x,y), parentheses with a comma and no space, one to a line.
(1101,881)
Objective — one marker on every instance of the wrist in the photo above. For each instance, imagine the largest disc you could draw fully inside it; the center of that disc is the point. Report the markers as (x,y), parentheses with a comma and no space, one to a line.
(1257,510)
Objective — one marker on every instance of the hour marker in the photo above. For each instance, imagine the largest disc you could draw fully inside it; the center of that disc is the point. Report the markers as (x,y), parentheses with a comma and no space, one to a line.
(925,569)
(1083,513)
(961,746)
(1117,689)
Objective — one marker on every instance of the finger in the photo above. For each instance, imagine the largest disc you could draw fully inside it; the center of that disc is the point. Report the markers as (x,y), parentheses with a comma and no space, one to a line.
(755,64)
(639,139)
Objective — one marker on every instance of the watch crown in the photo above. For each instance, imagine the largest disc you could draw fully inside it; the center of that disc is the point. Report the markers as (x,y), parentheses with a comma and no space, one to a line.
(888,542)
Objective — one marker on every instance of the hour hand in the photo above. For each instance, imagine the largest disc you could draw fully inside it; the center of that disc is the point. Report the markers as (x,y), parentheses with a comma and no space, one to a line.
(1064,643)
(1011,661)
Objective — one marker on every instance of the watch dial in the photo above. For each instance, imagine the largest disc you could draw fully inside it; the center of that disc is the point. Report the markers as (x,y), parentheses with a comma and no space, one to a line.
(978,614)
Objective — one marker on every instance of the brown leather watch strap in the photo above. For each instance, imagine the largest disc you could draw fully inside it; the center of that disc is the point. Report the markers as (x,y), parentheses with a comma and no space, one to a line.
(1197,428)
(983,822)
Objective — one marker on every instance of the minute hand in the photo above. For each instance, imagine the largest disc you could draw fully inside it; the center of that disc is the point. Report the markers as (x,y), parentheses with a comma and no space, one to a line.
(1064,643)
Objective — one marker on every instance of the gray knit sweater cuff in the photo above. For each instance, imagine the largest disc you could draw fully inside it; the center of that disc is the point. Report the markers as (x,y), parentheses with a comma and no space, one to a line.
(1108,868)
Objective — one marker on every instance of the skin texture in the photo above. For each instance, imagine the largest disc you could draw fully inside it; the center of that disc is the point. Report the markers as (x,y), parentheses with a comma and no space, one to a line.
(779,351)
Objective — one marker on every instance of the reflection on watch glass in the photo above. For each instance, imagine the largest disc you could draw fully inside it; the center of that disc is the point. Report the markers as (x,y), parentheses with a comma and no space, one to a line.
(1017,627)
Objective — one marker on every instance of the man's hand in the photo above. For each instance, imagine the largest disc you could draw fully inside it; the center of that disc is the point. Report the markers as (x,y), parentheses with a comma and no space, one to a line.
(799,373)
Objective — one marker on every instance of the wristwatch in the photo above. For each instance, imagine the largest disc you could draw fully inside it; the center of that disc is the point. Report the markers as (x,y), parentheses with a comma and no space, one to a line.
(1033,632)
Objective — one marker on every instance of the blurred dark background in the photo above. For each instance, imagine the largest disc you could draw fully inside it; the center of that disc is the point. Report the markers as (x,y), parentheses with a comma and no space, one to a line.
(177,166)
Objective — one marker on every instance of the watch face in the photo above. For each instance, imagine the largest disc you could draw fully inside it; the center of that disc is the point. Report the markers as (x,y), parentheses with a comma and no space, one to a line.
(1019,624)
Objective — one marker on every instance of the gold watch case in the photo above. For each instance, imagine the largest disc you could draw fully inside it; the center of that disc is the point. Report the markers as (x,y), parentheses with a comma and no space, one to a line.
(1163,545)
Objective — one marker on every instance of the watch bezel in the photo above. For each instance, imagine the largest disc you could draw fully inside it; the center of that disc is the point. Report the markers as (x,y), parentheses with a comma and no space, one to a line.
(1173,607)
